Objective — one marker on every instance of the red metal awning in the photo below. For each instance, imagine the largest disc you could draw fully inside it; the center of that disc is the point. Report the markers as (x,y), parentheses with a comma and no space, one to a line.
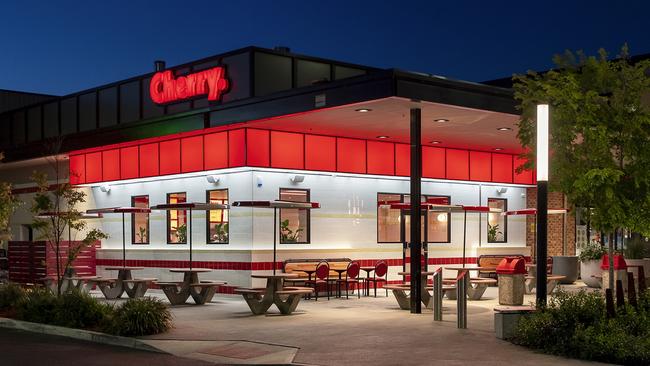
(193,206)
(276,204)
(533,211)
(83,215)
(119,210)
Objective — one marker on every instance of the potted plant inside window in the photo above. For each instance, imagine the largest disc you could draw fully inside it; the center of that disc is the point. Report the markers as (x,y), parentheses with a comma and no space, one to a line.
(181,233)
(220,233)
(287,235)
(590,258)
(142,235)
(636,249)
(493,232)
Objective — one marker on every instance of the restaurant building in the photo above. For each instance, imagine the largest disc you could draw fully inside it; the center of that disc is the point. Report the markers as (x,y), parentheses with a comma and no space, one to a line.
(265,124)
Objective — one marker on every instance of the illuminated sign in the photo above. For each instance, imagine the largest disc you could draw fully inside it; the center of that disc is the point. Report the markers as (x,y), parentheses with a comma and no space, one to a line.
(164,88)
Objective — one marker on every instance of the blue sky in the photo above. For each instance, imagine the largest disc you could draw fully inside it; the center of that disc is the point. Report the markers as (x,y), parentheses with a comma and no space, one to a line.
(61,47)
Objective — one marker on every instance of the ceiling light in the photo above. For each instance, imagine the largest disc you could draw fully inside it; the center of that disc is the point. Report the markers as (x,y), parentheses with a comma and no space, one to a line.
(363,110)
(504,129)
(383,137)
(497,149)
(435,142)
(441,120)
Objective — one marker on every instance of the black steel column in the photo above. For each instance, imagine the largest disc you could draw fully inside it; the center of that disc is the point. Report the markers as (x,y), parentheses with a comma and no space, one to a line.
(416,219)
(542,213)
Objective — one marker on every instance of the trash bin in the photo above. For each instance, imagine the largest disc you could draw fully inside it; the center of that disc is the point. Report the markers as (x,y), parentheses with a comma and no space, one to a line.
(620,272)
(511,272)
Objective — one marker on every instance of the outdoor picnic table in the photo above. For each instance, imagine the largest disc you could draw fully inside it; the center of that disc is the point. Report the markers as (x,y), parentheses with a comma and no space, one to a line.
(83,284)
(259,300)
(425,295)
(179,292)
(114,288)
(475,286)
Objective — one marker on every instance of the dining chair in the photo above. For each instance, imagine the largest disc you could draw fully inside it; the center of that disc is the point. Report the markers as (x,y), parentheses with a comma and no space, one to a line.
(380,274)
(351,276)
(321,277)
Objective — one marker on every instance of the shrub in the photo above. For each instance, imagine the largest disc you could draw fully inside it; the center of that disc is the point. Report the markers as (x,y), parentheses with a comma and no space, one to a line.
(592,251)
(142,316)
(38,306)
(10,295)
(576,325)
(80,310)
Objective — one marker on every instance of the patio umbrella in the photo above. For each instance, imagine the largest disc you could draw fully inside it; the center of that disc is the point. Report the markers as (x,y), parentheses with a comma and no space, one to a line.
(533,212)
(275,205)
(123,211)
(464,209)
(190,206)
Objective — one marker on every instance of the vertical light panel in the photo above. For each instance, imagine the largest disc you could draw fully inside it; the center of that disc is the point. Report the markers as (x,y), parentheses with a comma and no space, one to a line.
(542,142)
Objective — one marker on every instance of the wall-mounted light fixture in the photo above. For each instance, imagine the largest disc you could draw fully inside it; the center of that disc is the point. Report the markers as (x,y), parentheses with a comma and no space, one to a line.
(502,190)
(259,181)
(105,188)
(295,179)
(213,179)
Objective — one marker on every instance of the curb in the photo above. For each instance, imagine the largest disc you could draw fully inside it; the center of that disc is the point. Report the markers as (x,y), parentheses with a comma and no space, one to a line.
(85,335)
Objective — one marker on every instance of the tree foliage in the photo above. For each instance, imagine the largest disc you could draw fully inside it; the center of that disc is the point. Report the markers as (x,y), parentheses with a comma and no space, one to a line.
(600,134)
(8,204)
(57,218)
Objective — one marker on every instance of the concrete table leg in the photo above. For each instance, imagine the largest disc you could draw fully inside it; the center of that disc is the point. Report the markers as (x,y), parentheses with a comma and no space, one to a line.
(287,306)
(475,292)
(204,295)
(137,290)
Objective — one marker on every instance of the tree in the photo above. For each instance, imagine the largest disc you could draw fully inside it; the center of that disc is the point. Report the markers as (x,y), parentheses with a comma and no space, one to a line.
(600,133)
(57,217)
(8,204)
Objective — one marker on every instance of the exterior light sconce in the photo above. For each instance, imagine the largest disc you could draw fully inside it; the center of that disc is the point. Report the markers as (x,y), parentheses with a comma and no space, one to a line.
(259,182)
(502,190)
(295,179)
(213,179)
(105,188)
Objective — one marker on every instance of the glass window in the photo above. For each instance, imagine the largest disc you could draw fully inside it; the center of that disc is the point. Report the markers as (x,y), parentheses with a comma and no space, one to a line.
(294,222)
(34,124)
(497,230)
(51,120)
(68,116)
(108,107)
(388,220)
(176,220)
(140,221)
(391,228)
(87,112)
(217,220)
(130,102)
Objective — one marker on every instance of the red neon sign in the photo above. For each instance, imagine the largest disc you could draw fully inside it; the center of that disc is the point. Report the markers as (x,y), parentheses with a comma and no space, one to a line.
(164,88)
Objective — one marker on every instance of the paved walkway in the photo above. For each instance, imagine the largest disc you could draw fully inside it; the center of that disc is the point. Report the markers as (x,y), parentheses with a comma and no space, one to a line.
(369,331)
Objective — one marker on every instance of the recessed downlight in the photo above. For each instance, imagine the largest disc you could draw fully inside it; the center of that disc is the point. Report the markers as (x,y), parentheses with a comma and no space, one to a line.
(440,120)
(497,149)
(504,129)
(363,110)
(435,142)
(382,137)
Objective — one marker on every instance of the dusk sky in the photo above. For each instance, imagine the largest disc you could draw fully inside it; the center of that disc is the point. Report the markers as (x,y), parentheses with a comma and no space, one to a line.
(61,47)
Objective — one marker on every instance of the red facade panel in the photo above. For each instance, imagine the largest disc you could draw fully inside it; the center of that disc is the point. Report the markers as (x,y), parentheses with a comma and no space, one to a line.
(287,150)
(433,162)
(502,170)
(457,164)
(111,165)
(149,160)
(94,167)
(78,169)
(526,176)
(237,148)
(350,155)
(170,157)
(480,166)
(129,162)
(381,157)
(215,150)
(192,154)
(257,148)
(402,160)
(320,153)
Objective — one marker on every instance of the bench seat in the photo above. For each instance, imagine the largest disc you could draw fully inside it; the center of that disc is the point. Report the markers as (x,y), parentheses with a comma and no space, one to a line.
(295,292)
(138,280)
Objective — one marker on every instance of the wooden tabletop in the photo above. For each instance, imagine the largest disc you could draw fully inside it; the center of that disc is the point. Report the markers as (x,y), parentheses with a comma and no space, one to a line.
(368,268)
(277,275)
(193,270)
(423,273)
(119,268)
(471,268)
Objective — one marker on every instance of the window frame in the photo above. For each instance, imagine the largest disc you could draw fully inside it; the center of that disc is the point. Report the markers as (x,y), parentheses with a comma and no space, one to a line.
(403,220)
(169,221)
(505,220)
(207,217)
(133,242)
(308,237)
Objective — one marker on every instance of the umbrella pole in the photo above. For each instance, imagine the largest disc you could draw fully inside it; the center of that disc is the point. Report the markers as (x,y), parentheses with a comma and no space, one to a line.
(275,219)
(464,235)
(123,242)
(189,236)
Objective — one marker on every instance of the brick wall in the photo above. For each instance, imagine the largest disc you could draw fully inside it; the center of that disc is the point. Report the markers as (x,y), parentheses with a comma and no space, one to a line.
(555,224)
